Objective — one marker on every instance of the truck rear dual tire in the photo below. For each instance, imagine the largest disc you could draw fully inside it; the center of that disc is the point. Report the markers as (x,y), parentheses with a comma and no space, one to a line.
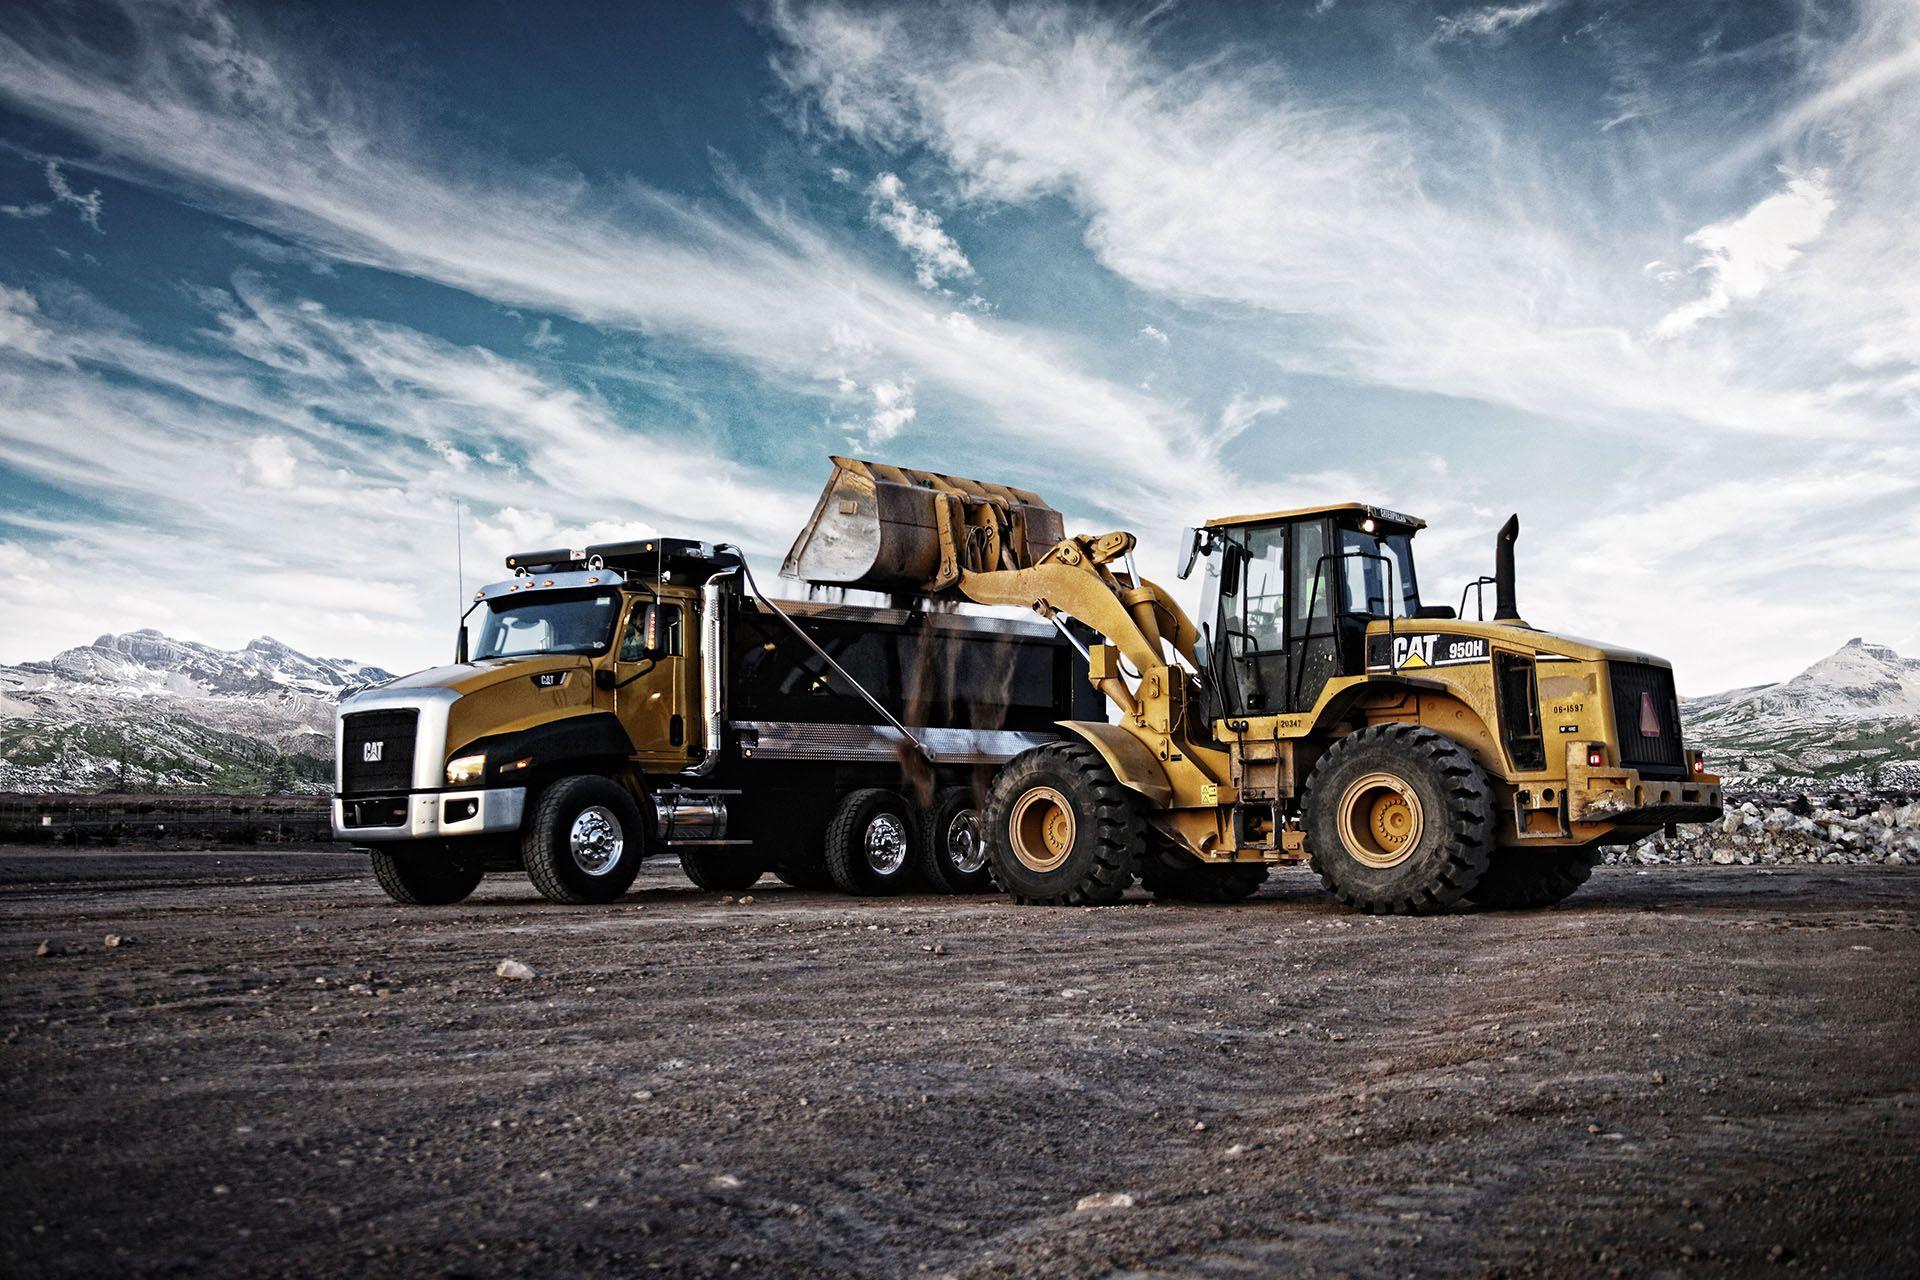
(1061,829)
(584,842)
(1172,874)
(722,872)
(424,877)
(952,848)
(1400,820)
(869,843)
(1528,879)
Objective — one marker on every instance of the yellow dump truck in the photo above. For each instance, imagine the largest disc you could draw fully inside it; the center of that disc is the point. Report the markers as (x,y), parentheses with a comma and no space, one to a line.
(1325,707)
(630,698)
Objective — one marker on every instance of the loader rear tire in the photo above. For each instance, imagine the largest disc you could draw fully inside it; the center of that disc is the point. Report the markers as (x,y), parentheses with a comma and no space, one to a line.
(953,851)
(1528,879)
(722,872)
(424,878)
(869,845)
(1061,830)
(584,841)
(1400,820)
(1172,874)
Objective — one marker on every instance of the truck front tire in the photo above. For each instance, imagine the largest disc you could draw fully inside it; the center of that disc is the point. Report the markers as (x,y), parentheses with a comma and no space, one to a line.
(1528,879)
(584,841)
(424,877)
(1400,820)
(869,845)
(1061,830)
(953,846)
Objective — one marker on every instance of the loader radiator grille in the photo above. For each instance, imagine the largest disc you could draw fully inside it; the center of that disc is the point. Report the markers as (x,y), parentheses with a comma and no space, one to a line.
(376,751)
(1646,719)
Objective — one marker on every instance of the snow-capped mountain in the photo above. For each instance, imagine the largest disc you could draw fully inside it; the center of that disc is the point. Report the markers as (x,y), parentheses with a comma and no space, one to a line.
(144,710)
(1852,717)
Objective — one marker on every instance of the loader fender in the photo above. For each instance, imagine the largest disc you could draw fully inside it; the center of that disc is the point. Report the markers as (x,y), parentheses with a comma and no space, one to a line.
(1132,761)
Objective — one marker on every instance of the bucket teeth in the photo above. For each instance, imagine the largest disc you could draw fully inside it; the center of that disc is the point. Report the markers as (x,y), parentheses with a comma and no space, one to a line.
(893,529)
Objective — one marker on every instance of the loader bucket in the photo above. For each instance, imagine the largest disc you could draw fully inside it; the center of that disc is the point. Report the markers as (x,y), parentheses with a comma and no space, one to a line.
(882,528)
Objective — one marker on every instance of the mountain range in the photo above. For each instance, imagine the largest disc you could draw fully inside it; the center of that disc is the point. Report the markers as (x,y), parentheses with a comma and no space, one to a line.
(146,712)
(143,711)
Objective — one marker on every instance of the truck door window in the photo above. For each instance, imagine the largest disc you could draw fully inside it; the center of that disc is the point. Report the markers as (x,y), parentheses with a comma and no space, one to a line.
(659,623)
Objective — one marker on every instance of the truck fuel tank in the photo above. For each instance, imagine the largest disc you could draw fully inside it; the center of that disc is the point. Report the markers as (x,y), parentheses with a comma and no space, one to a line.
(892,529)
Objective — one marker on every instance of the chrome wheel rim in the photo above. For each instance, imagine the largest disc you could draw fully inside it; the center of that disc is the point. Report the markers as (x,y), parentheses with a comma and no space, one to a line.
(596,840)
(886,844)
(965,849)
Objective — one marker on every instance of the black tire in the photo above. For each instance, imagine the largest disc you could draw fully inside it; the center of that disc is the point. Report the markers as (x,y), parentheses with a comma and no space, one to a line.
(869,843)
(1419,826)
(546,846)
(804,875)
(952,846)
(1086,858)
(1528,879)
(724,872)
(424,877)
(1174,875)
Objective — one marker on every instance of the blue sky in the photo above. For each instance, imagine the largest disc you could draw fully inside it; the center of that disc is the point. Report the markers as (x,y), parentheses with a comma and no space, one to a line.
(279,284)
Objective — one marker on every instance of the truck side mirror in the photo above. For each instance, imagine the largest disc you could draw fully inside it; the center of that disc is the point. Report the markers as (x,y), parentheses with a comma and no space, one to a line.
(603,678)
(460,645)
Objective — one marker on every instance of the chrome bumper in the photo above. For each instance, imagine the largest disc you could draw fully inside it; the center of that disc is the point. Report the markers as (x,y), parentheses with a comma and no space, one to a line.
(438,814)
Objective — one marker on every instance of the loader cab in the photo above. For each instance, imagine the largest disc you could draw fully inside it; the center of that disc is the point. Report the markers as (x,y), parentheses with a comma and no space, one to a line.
(1288,597)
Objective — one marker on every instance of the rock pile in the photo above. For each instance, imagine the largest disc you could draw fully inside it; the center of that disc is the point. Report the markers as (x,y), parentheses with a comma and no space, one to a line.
(1863,827)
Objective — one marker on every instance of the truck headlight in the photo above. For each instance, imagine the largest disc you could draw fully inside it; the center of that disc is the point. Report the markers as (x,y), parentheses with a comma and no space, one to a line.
(464,769)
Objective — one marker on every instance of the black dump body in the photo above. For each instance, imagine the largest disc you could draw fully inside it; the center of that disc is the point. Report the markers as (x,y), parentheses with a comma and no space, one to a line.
(942,670)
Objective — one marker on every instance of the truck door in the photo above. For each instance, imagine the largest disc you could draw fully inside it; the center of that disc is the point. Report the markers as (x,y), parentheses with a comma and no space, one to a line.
(653,694)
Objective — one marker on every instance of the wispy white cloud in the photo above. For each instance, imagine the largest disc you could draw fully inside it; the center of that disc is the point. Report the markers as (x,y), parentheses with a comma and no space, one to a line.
(1741,255)
(1489,22)
(89,206)
(1243,410)
(935,255)
(1149,333)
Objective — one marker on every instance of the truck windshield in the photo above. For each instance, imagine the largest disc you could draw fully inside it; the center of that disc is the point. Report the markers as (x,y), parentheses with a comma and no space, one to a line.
(514,628)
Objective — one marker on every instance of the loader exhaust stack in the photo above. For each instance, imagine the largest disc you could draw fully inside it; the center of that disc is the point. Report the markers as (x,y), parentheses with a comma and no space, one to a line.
(891,529)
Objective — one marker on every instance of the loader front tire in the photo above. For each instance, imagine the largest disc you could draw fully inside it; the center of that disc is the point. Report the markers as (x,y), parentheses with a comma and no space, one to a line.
(424,878)
(1528,879)
(584,842)
(1400,820)
(1061,830)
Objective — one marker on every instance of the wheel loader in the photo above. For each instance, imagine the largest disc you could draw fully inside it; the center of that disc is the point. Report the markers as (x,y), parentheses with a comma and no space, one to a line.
(1320,710)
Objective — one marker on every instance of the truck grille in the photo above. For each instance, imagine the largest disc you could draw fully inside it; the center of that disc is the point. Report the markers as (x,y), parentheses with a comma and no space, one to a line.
(393,731)
(1646,719)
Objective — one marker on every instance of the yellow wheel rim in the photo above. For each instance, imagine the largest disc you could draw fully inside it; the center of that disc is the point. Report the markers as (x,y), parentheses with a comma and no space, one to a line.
(1380,820)
(1041,829)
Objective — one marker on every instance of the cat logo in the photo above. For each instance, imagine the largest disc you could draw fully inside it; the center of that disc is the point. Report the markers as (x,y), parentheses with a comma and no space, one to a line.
(1411,652)
(370,752)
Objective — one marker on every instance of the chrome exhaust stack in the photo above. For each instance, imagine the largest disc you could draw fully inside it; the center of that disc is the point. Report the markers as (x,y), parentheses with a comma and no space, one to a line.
(713,686)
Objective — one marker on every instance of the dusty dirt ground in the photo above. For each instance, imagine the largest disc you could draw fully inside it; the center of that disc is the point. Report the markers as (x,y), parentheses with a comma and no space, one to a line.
(1683,1070)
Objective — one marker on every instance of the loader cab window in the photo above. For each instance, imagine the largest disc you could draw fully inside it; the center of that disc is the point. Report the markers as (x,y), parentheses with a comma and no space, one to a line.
(523,626)
(1287,606)
(1377,573)
(653,631)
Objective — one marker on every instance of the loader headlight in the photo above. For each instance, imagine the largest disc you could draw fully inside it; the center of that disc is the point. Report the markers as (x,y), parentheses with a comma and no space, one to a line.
(464,769)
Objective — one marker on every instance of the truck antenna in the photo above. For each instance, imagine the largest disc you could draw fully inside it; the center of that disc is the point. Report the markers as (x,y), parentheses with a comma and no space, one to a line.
(459,561)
